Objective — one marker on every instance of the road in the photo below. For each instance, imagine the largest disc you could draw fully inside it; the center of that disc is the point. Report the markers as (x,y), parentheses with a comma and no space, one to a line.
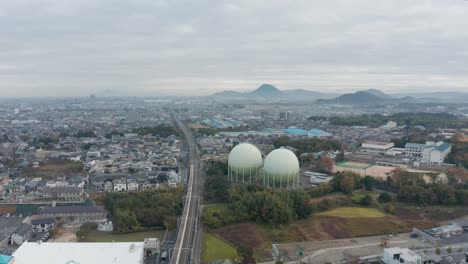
(188,247)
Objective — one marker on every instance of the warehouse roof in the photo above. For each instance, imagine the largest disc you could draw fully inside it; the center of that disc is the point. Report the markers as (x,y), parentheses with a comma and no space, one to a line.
(63,190)
(71,209)
(89,253)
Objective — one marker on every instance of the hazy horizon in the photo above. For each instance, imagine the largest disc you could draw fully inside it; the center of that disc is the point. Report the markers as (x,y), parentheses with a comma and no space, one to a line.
(57,48)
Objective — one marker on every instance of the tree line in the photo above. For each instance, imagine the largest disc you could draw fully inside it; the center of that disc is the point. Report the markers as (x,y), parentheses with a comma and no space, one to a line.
(135,211)
(413,188)
(161,130)
(428,120)
(308,145)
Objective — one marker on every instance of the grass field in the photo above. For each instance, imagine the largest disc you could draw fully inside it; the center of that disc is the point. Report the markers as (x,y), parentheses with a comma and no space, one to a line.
(357,196)
(98,236)
(377,226)
(216,248)
(354,212)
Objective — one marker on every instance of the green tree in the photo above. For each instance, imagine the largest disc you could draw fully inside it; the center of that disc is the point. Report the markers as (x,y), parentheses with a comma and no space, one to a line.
(340,157)
(366,200)
(126,221)
(247,254)
(368,183)
(347,185)
(385,198)
(85,229)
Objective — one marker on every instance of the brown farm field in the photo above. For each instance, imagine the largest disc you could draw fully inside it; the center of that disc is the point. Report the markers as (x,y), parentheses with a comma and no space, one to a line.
(54,169)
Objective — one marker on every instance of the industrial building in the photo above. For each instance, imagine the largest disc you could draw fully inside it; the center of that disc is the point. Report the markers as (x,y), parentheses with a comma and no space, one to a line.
(309,133)
(244,163)
(281,169)
(90,253)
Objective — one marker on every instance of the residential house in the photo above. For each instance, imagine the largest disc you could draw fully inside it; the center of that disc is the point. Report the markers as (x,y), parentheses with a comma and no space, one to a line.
(120,185)
(133,185)
(43,224)
(108,186)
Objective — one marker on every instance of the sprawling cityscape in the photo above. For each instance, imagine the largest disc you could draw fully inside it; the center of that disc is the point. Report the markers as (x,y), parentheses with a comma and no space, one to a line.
(225,179)
(233,132)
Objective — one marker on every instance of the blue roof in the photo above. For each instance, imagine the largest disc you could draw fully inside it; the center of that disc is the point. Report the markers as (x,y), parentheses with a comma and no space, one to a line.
(442,147)
(5,259)
(300,131)
(296,131)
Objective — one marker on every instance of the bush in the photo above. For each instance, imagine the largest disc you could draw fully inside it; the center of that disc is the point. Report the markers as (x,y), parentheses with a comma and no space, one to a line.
(385,198)
(368,183)
(388,208)
(367,200)
(85,229)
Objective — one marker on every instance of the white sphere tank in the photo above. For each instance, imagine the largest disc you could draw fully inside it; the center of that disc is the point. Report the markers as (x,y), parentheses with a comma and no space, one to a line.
(281,169)
(244,162)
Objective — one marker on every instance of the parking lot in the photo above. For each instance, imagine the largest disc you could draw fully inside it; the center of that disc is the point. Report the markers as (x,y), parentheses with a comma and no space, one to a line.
(8,225)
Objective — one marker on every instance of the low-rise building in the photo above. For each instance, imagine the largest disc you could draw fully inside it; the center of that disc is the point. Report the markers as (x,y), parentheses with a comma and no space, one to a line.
(21,234)
(75,213)
(398,255)
(445,231)
(376,147)
(64,194)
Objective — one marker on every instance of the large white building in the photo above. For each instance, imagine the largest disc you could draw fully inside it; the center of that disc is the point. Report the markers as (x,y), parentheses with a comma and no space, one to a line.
(436,153)
(430,153)
(89,253)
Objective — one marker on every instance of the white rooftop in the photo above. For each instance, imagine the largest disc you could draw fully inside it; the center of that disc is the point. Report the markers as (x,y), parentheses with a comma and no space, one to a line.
(82,253)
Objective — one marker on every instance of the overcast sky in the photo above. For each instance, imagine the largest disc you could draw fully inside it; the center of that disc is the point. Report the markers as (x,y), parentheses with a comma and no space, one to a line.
(158,47)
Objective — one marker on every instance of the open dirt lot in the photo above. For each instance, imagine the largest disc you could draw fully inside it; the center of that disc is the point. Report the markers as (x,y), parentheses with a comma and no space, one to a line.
(65,234)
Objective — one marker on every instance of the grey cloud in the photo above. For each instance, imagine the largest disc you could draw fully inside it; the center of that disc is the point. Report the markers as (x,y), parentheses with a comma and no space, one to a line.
(152,47)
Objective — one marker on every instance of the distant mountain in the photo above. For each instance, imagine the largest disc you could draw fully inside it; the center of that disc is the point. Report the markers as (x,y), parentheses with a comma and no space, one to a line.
(371,96)
(265,91)
(268,91)
(228,94)
(355,98)
(454,97)
(377,93)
